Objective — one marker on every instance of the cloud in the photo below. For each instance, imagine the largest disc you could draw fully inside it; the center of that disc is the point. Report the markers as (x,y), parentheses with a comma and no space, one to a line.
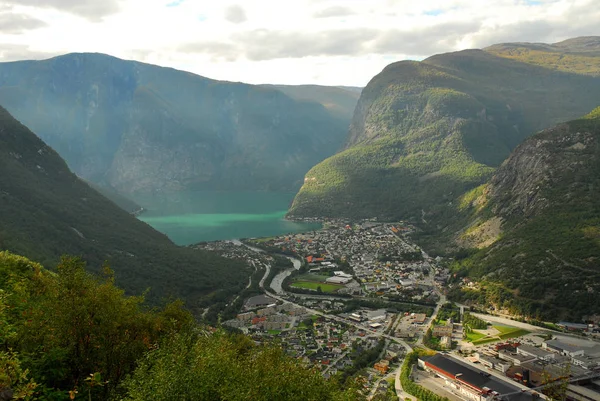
(235,14)
(216,50)
(335,11)
(263,44)
(93,10)
(572,23)
(11,23)
(425,41)
(13,52)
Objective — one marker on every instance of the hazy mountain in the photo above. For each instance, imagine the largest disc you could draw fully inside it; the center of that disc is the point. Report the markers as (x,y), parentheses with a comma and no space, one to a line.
(340,101)
(138,127)
(578,55)
(46,211)
(424,133)
(537,223)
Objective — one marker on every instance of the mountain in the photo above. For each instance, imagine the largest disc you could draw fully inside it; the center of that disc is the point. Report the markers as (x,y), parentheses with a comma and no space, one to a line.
(118,199)
(424,133)
(47,211)
(537,227)
(339,101)
(578,55)
(136,127)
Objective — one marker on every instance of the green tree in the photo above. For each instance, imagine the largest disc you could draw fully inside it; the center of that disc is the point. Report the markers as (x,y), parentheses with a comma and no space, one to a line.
(226,367)
(14,381)
(77,325)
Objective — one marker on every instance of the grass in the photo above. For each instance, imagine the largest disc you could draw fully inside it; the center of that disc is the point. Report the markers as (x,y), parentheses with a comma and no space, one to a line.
(477,338)
(474,336)
(485,340)
(514,333)
(263,239)
(274,332)
(311,285)
(504,329)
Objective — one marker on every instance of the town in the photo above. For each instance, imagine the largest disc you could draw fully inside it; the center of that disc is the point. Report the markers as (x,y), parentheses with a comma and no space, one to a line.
(363,300)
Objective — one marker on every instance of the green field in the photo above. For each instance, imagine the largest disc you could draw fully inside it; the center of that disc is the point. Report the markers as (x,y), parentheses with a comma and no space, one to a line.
(485,340)
(513,334)
(504,329)
(506,332)
(474,336)
(312,285)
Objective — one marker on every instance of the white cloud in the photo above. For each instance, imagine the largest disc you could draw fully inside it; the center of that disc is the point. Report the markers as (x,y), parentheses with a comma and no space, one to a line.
(297,41)
(235,14)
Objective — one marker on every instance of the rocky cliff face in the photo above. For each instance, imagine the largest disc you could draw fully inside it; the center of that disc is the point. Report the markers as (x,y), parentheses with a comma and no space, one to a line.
(138,127)
(545,194)
(546,164)
(424,133)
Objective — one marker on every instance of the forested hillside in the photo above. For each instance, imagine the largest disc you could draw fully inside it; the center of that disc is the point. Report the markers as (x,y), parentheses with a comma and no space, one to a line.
(424,133)
(46,211)
(537,227)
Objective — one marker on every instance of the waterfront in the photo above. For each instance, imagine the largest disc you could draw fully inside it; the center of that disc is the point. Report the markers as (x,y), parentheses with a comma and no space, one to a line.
(196,216)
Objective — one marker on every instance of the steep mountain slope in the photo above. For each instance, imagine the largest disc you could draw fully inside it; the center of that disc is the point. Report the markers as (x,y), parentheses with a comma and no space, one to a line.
(118,199)
(339,101)
(544,259)
(46,211)
(425,132)
(139,127)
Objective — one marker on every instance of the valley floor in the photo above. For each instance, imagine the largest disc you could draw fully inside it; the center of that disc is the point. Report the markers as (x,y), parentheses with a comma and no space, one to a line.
(368,297)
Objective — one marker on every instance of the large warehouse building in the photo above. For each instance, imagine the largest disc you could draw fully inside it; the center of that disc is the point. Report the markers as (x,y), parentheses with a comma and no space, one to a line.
(472,383)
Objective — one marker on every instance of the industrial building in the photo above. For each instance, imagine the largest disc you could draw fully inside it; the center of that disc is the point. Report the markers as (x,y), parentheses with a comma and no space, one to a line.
(471,383)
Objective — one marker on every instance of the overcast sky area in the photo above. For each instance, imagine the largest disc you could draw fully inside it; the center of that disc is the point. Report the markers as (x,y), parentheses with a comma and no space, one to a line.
(328,42)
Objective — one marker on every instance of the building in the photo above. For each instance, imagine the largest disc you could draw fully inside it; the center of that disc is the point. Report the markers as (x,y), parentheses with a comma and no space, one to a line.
(585,361)
(573,326)
(338,280)
(442,331)
(535,352)
(563,348)
(342,274)
(446,342)
(356,317)
(515,358)
(259,301)
(376,315)
(494,363)
(419,318)
(382,366)
(470,382)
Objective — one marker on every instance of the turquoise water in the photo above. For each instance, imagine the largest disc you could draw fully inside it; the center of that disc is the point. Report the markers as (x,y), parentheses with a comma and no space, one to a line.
(191,217)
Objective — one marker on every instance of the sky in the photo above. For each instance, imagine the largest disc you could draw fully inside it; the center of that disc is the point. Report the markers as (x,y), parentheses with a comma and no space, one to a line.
(327,42)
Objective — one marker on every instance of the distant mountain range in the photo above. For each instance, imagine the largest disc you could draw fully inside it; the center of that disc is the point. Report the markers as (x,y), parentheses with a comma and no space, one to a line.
(46,211)
(135,127)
